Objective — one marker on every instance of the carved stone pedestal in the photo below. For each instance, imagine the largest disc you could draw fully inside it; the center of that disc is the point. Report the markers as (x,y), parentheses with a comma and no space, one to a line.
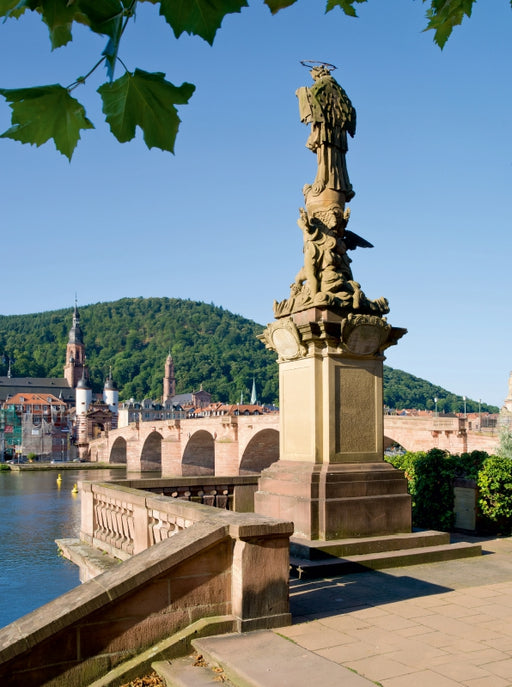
(331,502)
(331,479)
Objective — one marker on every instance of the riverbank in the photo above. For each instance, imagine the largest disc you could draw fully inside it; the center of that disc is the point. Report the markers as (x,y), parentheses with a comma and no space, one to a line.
(29,467)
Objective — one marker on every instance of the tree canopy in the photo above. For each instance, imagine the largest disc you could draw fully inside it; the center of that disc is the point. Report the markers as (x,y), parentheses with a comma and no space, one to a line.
(139,98)
(209,345)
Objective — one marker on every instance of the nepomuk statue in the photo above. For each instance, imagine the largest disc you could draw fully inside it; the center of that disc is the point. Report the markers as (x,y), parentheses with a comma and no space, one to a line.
(326,279)
(327,107)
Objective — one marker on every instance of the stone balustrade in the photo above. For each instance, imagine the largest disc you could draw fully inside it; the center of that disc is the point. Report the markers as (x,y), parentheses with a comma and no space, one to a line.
(125,517)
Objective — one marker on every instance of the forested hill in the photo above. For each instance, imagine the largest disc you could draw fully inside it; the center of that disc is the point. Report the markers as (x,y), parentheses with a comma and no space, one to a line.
(210,346)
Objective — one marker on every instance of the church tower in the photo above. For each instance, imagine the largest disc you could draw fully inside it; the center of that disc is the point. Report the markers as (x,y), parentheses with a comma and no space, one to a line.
(75,369)
(169,380)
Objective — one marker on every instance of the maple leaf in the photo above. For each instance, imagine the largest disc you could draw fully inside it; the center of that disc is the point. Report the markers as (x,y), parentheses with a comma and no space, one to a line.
(346,5)
(146,100)
(58,15)
(9,8)
(199,17)
(443,15)
(276,5)
(45,112)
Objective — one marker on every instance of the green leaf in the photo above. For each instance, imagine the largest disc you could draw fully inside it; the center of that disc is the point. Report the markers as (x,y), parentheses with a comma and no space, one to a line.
(443,15)
(45,112)
(103,17)
(146,100)
(199,17)
(9,8)
(346,5)
(276,5)
(58,15)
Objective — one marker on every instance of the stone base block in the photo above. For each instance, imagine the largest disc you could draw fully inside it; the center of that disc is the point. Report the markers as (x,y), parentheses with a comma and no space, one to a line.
(336,501)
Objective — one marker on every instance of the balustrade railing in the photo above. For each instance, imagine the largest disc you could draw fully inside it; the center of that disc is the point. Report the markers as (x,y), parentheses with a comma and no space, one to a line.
(126,516)
(114,522)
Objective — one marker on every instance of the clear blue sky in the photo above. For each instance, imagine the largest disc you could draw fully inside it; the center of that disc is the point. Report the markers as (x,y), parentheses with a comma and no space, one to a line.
(431,164)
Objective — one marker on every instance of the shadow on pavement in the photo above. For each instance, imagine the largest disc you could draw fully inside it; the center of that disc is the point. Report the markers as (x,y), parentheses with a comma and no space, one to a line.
(311,599)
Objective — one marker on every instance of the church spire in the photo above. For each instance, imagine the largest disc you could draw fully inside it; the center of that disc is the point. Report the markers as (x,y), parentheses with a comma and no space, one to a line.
(254,398)
(74,367)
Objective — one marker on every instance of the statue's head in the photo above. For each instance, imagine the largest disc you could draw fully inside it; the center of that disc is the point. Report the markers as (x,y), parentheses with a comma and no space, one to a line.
(319,72)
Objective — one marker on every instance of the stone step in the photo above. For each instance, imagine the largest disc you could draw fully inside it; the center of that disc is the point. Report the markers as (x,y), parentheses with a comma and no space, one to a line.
(316,549)
(265,659)
(302,568)
(190,671)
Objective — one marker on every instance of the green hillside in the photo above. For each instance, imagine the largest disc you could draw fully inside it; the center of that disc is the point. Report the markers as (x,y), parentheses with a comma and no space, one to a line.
(209,346)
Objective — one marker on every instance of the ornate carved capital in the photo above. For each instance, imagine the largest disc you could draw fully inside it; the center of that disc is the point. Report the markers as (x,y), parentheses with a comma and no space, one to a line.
(283,337)
(368,335)
(360,336)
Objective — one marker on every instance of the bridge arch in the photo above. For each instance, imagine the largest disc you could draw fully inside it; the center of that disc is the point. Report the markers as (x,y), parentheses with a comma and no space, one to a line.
(118,451)
(199,455)
(261,451)
(151,454)
(391,443)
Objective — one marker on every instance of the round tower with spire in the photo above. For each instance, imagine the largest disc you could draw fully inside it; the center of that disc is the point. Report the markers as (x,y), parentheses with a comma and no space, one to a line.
(83,396)
(169,387)
(75,368)
(111,398)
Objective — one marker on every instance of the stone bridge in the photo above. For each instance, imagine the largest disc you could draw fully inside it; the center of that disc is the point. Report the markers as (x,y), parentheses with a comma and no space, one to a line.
(244,445)
(222,445)
(453,434)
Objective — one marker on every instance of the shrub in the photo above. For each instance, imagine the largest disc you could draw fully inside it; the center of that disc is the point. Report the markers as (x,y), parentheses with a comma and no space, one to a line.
(406,462)
(468,465)
(495,492)
(434,499)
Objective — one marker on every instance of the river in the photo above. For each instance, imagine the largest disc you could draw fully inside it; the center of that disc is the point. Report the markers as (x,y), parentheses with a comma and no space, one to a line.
(34,511)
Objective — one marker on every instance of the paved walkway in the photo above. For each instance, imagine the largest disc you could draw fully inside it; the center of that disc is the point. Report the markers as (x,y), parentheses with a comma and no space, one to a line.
(434,625)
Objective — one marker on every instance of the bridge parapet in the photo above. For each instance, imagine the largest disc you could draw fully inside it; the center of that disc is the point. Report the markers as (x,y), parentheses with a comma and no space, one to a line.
(128,516)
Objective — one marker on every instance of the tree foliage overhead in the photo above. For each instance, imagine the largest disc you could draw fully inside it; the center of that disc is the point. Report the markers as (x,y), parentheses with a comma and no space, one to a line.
(139,98)
(209,346)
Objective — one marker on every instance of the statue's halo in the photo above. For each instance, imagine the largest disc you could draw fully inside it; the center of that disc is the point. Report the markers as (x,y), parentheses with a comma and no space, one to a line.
(318,63)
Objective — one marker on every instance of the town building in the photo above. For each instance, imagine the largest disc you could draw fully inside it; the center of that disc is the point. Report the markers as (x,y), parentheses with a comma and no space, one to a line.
(35,424)
(62,387)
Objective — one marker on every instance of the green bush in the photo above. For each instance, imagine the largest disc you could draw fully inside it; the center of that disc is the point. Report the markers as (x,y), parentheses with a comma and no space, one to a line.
(407,462)
(468,465)
(495,492)
(430,483)
(434,499)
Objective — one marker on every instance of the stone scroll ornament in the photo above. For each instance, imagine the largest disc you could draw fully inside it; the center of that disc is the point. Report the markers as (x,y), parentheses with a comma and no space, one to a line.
(326,278)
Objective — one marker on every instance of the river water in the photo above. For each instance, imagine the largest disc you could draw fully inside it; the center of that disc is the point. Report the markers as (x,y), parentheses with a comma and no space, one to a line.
(34,511)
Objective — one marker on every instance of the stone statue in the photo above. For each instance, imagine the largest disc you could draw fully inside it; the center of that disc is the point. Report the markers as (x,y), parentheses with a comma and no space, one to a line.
(326,280)
(326,277)
(326,106)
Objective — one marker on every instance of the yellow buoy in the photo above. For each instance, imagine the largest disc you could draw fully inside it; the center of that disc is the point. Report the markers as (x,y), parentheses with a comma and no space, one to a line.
(59,478)
(75,489)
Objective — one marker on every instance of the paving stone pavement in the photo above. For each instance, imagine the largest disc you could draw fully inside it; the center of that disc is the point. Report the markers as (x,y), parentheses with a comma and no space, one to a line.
(433,625)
